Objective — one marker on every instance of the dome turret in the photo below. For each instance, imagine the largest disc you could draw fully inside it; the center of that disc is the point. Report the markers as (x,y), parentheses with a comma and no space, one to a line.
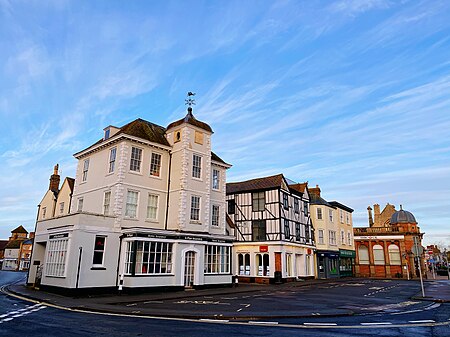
(402,216)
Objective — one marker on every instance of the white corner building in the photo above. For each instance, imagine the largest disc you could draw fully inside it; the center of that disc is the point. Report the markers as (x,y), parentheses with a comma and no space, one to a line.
(146,209)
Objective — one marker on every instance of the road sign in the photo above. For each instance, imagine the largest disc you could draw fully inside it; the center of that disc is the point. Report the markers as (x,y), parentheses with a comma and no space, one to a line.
(417,250)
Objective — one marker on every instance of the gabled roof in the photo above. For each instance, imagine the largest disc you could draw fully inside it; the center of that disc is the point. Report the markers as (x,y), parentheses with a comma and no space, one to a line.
(19,229)
(70,182)
(265,183)
(342,206)
(190,119)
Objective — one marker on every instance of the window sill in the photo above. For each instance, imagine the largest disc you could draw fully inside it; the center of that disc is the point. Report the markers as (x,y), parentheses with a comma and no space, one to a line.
(155,177)
(197,179)
(132,219)
(109,174)
(195,222)
(152,220)
(98,268)
(135,172)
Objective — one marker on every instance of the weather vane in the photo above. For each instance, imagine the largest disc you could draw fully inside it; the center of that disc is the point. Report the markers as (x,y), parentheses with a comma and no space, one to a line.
(190,101)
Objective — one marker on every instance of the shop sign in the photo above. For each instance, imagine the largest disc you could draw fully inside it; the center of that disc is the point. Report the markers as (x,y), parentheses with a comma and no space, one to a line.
(263,249)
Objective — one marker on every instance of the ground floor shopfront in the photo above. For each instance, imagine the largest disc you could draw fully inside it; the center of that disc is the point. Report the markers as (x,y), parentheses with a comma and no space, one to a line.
(346,263)
(272,262)
(327,264)
(82,252)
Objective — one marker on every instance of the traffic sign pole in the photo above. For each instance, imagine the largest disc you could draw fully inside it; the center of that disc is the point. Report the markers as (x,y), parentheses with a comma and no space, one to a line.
(416,245)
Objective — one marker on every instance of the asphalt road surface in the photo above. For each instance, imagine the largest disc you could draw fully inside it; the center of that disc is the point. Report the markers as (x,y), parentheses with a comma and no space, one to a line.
(23,318)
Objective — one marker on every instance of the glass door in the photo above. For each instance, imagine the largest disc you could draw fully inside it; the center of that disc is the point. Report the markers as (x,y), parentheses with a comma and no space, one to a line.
(189,269)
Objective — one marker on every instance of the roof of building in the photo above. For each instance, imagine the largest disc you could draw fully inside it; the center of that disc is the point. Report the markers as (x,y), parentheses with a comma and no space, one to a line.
(71,182)
(215,157)
(342,206)
(19,229)
(14,243)
(146,130)
(299,187)
(402,216)
(28,242)
(190,119)
(3,244)
(264,183)
(316,200)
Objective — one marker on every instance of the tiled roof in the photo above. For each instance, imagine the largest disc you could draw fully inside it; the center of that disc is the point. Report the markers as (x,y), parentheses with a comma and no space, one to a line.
(215,157)
(255,184)
(71,182)
(146,130)
(14,244)
(339,205)
(316,200)
(190,119)
(3,244)
(300,187)
(20,229)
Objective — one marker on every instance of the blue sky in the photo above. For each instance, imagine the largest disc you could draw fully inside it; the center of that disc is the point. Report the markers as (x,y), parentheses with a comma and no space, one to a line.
(351,95)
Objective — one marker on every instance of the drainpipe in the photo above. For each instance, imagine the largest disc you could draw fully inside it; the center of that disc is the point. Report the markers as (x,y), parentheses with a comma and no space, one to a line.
(79,265)
(118,260)
(168,189)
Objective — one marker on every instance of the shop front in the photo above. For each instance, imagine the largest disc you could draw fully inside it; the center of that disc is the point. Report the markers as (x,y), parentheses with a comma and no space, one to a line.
(346,262)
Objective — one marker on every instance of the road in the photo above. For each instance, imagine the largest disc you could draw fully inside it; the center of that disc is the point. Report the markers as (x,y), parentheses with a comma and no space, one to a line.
(23,318)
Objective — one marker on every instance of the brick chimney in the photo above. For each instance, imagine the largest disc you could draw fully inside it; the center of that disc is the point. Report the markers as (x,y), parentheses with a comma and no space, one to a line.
(315,190)
(31,236)
(54,180)
(369,209)
(376,211)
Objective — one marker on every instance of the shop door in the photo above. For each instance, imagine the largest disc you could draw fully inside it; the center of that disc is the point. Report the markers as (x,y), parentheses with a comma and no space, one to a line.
(189,269)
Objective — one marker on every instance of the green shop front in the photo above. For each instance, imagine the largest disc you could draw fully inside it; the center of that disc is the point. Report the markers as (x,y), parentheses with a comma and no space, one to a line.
(346,262)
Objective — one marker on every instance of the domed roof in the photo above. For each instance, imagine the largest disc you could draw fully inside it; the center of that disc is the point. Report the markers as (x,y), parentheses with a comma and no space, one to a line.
(402,216)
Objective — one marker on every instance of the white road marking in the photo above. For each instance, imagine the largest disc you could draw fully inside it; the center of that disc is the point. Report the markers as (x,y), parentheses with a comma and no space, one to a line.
(239,310)
(320,324)
(433,306)
(262,322)
(8,319)
(377,323)
(149,302)
(15,316)
(213,320)
(423,321)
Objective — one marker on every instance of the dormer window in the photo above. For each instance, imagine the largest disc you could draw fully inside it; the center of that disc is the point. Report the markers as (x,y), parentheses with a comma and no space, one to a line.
(107,133)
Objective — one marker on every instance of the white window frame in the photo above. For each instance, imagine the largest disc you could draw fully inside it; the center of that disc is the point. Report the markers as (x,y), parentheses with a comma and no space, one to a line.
(56,259)
(99,251)
(195,208)
(215,215)
(215,179)
(217,259)
(153,207)
(85,170)
(332,237)
(112,159)
(196,166)
(319,213)
(80,202)
(44,212)
(128,205)
(155,165)
(106,202)
(158,263)
(61,207)
(136,159)
(349,238)
(330,214)
(296,206)
(320,236)
(342,237)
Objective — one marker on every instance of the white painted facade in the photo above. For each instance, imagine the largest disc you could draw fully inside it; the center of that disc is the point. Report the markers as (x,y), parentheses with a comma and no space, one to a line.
(131,221)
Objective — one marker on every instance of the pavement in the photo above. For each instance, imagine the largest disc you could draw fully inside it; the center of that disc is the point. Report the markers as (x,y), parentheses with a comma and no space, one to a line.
(151,304)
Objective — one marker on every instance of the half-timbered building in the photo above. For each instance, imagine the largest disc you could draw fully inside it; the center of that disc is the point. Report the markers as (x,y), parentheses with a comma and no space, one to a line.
(273,229)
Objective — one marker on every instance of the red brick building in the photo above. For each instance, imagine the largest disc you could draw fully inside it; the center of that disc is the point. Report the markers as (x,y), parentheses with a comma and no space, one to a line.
(385,248)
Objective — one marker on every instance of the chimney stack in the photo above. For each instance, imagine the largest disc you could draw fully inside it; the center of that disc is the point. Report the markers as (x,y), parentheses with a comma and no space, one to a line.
(369,209)
(315,190)
(376,211)
(54,180)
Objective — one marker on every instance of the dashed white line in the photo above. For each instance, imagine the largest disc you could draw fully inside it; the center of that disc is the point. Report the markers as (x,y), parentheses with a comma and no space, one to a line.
(262,322)
(423,321)
(377,323)
(213,320)
(7,319)
(320,324)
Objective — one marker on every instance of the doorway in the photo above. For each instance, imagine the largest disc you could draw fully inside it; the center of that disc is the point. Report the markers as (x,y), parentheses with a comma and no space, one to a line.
(189,269)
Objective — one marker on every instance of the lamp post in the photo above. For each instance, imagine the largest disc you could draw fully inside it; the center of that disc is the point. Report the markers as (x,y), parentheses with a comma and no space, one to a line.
(418,253)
